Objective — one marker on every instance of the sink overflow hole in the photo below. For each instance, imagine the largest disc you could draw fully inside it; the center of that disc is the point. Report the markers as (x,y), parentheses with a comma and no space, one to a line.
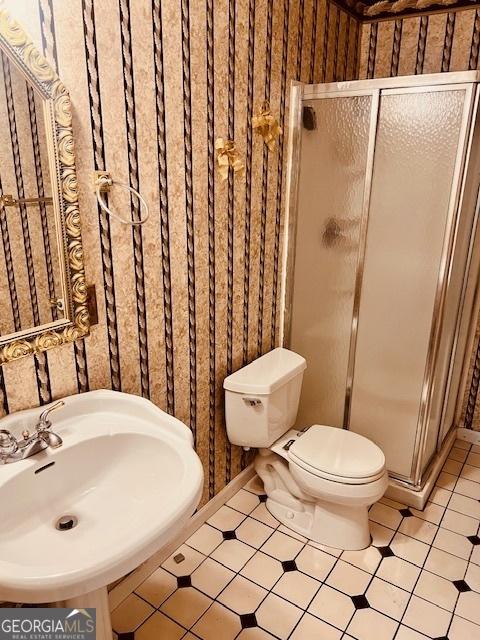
(65,523)
(45,466)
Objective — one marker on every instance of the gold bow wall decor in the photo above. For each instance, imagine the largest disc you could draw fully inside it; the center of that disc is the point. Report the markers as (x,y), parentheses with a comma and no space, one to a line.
(227,156)
(267,126)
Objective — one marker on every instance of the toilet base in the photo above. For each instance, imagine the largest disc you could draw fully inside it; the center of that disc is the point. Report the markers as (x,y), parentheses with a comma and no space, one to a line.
(334,525)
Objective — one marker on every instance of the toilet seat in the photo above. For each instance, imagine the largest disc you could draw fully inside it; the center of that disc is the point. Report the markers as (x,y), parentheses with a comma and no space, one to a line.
(337,455)
(332,478)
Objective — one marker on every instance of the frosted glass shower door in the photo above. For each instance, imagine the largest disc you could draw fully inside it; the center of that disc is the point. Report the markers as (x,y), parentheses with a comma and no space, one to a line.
(333,166)
(418,136)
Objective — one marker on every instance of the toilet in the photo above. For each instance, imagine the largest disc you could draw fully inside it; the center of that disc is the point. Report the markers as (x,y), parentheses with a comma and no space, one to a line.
(321,480)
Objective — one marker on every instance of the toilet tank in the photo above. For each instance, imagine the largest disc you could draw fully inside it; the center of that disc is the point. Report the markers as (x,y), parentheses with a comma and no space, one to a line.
(261,399)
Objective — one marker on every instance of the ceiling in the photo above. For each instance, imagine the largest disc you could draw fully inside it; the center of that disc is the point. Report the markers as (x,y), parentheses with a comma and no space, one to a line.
(376,9)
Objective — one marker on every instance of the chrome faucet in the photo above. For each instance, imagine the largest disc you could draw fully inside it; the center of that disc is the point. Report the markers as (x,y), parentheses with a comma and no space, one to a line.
(13,450)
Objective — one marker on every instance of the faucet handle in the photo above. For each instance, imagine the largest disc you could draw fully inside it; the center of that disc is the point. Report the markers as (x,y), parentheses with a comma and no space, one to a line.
(8,443)
(43,421)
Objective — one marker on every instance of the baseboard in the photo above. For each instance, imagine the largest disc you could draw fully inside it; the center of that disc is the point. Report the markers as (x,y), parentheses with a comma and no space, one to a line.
(124,588)
(469,435)
(418,499)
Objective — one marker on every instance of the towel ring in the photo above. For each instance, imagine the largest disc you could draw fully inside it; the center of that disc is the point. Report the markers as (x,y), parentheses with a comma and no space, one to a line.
(103,182)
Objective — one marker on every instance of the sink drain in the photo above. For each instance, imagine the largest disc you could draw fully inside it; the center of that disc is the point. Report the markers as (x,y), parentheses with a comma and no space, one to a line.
(65,523)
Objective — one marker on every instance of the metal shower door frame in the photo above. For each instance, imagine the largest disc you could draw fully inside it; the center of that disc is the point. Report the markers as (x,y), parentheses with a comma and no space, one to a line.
(376,88)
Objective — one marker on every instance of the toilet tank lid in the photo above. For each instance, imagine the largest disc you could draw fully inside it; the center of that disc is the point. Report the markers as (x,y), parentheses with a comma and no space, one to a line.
(267,373)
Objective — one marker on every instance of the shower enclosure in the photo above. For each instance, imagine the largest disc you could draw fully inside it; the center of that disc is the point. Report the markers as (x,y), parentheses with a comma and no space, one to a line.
(380,261)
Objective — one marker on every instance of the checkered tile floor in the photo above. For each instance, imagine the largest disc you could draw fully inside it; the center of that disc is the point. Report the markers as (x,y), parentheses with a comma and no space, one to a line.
(242,575)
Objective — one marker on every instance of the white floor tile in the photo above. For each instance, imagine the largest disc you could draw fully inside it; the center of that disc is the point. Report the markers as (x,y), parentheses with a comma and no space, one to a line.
(348,579)
(472,577)
(418,529)
(387,598)
(462,444)
(453,467)
(468,606)
(217,622)
(365,620)
(296,587)
(332,606)
(367,559)
(234,554)
(323,547)
(186,606)
(244,501)
(191,559)
(432,512)
(211,577)
(464,504)
(399,572)
(130,614)
(254,633)
(473,459)
(263,569)
(427,618)
(381,536)
(459,454)
(253,532)
(292,533)
(405,633)
(205,539)
(157,587)
(314,596)
(446,481)
(311,627)
(392,503)
(263,514)
(468,488)
(159,626)
(445,564)
(436,590)
(475,557)
(281,546)
(226,519)
(242,595)
(453,543)
(459,523)
(461,629)
(409,549)
(278,616)
(316,563)
(440,496)
(385,515)
(471,473)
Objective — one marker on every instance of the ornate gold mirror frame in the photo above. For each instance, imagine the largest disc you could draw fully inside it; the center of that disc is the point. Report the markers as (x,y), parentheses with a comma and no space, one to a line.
(18,47)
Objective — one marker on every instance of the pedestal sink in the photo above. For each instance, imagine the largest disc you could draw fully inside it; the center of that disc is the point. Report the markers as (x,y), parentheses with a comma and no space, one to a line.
(75,519)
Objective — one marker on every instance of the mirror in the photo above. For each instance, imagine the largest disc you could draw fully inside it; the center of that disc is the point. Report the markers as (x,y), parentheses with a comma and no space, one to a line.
(42,280)
(29,266)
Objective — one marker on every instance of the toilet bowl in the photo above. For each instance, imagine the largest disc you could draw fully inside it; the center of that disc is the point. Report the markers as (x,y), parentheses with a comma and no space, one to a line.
(319,481)
(332,487)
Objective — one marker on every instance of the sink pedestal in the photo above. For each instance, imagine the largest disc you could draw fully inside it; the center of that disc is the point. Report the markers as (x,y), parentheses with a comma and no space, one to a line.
(98,600)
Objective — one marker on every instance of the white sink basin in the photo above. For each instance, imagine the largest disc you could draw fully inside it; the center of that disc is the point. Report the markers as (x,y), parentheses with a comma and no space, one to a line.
(127,471)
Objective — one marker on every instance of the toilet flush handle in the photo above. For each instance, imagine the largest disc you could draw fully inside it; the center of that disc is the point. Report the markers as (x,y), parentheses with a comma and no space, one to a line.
(252,402)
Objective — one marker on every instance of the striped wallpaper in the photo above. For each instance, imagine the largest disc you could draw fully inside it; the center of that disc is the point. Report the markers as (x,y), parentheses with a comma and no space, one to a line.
(193,294)
(428,44)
